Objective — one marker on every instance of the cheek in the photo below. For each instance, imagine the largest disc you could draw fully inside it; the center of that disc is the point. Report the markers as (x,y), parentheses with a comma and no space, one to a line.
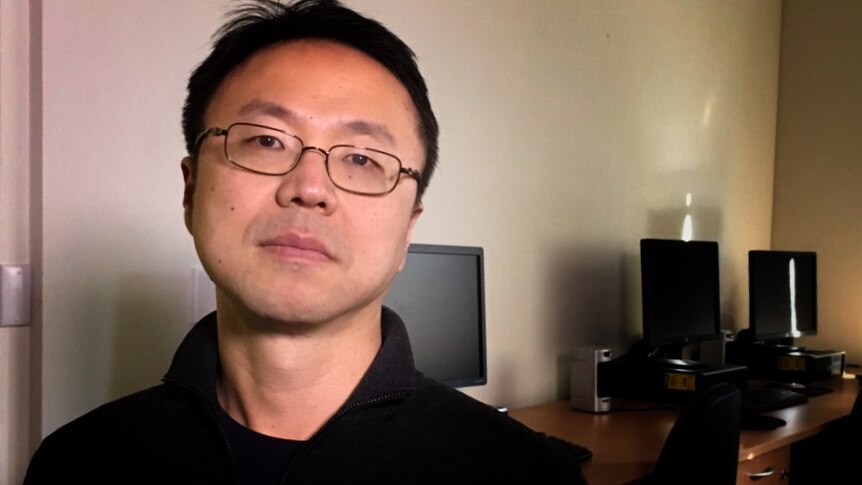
(218,206)
(382,231)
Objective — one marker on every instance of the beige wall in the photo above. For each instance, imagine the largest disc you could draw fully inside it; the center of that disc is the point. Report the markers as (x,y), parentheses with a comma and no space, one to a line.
(818,167)
(14,230)
(570,130)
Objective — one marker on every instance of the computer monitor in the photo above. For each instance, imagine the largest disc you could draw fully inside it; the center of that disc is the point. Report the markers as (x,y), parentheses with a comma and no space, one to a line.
(782,294)
(440,296)
(680,289)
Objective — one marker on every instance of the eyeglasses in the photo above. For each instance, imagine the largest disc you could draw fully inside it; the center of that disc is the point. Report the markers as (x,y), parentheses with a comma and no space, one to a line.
(269,151)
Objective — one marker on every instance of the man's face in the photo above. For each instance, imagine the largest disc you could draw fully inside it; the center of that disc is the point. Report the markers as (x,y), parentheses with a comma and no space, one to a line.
(295,248)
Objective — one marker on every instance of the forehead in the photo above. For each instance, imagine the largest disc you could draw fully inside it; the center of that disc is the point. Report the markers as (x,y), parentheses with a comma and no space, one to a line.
(319,84)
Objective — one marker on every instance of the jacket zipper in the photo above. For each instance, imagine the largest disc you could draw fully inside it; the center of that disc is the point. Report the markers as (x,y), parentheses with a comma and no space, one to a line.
(303,449)
(203,401)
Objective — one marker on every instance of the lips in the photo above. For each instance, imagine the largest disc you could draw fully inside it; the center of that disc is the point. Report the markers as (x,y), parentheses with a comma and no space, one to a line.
(293,245)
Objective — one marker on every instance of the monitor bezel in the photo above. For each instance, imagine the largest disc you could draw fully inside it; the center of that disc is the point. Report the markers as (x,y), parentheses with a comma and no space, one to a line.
(478,253)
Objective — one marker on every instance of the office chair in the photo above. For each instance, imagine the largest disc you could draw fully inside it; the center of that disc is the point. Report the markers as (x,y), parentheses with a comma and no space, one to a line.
(856,413)
(703,444)
(832,455)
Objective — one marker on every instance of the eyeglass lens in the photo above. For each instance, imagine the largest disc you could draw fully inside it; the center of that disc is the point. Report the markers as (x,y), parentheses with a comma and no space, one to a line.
(270,151)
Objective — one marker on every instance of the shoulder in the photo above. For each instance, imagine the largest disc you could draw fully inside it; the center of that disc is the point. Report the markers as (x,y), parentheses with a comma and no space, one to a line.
(138,411)
(447,436)
(120,437)
(451,415)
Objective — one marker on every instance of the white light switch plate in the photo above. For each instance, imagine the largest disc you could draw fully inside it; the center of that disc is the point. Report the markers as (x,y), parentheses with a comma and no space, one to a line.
(14,295)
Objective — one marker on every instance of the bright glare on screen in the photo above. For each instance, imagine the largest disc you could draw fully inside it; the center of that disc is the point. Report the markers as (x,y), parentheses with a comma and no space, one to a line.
(791,269)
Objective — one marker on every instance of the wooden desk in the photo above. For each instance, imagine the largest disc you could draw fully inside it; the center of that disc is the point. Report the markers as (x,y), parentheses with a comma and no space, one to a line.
(626,442)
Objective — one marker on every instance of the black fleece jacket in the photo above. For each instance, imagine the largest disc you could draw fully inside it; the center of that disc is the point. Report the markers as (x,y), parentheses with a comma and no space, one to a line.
(397,427)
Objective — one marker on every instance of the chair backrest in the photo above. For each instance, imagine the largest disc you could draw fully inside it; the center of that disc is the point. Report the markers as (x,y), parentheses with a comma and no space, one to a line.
(703,445)
(854,427)
(856,413)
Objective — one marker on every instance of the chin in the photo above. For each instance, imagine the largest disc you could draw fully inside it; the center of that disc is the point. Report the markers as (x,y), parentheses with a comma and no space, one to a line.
(301,313)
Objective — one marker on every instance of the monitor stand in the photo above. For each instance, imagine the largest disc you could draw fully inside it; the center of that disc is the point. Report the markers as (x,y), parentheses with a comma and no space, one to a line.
(781,346)
(643,373)
(671,358)
(678,364)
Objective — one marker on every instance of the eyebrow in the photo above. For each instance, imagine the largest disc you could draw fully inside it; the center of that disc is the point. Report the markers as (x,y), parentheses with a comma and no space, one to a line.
(359,127)
(259,106)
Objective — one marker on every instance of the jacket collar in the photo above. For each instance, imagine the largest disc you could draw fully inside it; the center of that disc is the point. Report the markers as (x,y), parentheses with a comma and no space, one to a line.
(196,363)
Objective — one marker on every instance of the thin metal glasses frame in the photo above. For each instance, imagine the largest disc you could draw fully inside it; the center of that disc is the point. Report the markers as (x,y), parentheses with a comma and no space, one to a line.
(217,131)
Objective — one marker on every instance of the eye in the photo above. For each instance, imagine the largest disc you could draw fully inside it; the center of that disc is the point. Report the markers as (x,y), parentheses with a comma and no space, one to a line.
(268,141)
(358,159)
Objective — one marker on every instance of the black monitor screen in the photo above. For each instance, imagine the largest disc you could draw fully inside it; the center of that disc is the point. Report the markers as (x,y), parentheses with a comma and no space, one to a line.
(782,294)
(440,296)
(680,287)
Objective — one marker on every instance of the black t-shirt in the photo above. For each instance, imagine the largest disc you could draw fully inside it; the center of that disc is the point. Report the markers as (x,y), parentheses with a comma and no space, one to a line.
(259,459)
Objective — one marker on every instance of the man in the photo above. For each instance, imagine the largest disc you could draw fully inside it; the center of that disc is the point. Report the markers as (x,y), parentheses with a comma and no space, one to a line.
(310,140)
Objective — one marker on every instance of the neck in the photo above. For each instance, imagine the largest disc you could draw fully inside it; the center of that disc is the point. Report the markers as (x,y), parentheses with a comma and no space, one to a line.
(287,382)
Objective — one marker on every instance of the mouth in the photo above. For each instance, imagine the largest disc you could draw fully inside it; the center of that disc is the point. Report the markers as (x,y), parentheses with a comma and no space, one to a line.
(296,247)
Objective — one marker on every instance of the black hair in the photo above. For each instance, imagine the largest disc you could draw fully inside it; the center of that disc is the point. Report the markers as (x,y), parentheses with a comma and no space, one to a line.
(255,26)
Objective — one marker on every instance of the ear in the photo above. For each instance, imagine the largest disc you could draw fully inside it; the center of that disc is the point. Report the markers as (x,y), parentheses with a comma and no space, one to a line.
(414,216)
(188,191)
(418,208)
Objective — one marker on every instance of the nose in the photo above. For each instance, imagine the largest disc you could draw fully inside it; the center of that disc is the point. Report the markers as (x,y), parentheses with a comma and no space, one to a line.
(308,184)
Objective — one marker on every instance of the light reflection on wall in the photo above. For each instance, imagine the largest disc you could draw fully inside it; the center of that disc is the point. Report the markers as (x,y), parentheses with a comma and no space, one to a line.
(687,230)
(707,111)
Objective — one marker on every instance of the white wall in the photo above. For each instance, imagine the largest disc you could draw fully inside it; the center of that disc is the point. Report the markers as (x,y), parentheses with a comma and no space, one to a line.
(570,130)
